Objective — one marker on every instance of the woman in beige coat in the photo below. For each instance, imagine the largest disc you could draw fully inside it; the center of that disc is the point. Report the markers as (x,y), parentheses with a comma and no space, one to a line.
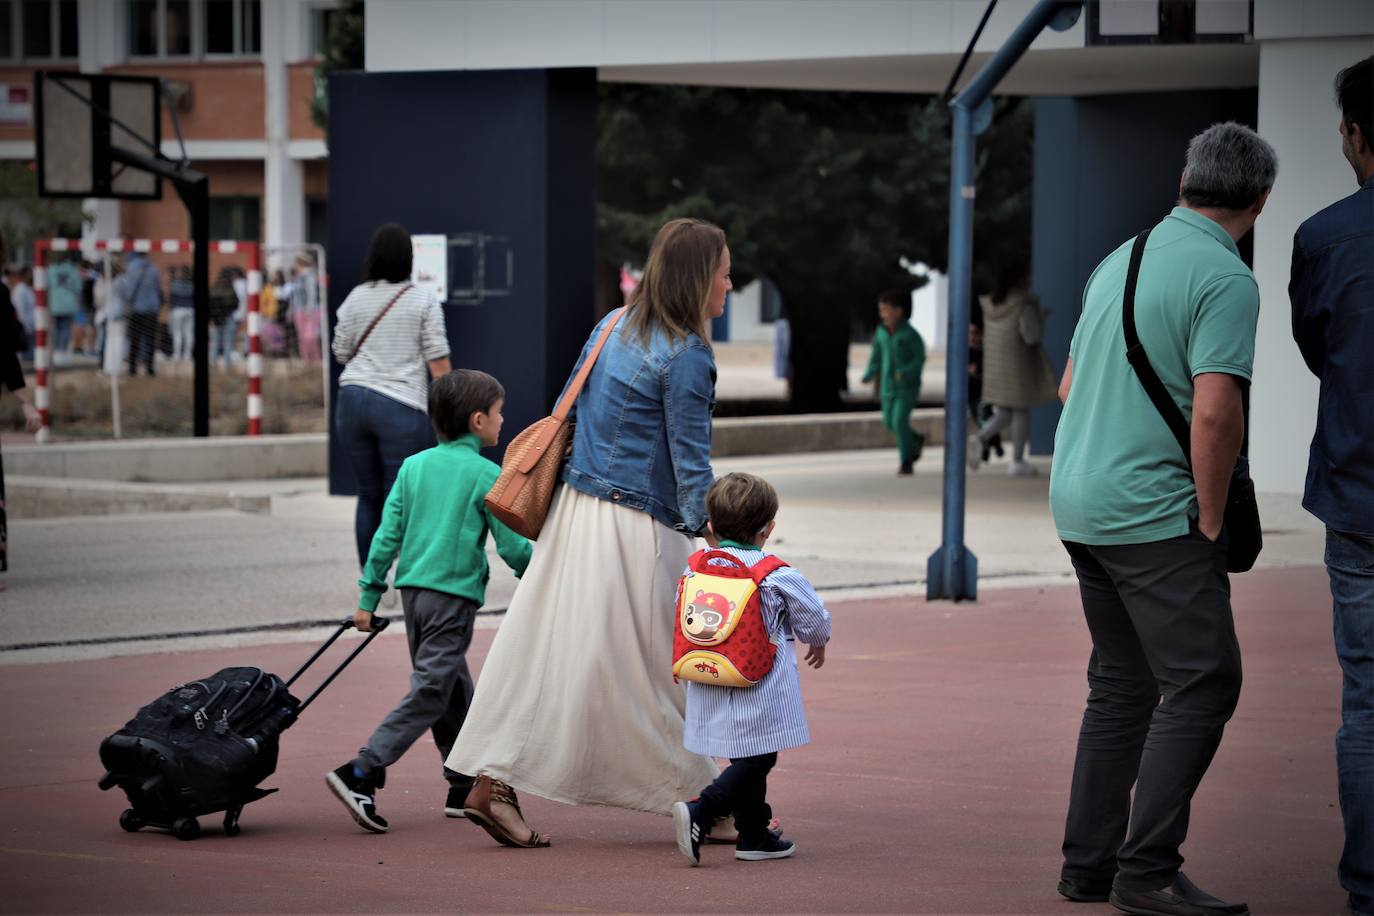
(1016,372)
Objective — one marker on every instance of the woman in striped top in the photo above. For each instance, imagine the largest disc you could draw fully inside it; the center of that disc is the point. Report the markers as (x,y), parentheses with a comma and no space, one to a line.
(391,338)
(749,725)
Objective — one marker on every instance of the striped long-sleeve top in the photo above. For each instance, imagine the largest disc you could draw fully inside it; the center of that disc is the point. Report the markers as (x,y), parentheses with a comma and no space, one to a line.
(768,717)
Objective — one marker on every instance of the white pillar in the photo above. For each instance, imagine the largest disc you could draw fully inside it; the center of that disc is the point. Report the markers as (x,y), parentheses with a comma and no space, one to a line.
(1298,115)
(283,177)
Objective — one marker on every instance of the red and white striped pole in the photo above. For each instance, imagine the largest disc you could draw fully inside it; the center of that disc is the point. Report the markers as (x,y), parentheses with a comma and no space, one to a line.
(42,353)
(254,343)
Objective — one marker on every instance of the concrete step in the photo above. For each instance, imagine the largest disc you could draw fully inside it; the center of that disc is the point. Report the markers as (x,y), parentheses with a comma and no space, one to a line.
(306,454)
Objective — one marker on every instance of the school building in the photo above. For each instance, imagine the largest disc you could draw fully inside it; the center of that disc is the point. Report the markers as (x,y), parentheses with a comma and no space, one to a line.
(241,78)
(1118,95)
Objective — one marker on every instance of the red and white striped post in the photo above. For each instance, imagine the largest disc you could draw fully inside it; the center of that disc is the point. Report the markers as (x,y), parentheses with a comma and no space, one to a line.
(42,352)
(254,343)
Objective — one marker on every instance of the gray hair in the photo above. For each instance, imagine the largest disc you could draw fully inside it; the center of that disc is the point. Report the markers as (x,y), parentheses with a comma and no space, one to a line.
(1229,166)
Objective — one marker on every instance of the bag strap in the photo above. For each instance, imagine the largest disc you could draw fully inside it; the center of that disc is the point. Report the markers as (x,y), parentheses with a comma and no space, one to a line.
(765,568)
(569,398)
(539,446)
(379,316)
(1140,361)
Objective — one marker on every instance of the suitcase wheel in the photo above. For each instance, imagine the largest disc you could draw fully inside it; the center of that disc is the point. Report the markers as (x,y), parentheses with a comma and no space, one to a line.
(231,821)
(130,820)
(185,828)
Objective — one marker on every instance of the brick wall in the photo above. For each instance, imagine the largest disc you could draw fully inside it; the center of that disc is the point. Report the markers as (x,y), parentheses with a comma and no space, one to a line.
(226,99)
(167,219)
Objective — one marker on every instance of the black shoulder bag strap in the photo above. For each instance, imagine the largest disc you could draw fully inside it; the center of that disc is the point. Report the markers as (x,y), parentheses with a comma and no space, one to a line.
(1242,519)
(1140,361)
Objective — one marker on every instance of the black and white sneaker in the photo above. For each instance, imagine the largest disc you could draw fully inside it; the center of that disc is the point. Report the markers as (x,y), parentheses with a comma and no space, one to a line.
(690,830)
(358,795)
(457,798)
(772,846)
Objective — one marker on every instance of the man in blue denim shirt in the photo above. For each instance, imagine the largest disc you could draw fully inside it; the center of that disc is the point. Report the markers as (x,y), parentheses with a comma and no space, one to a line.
(1332,291)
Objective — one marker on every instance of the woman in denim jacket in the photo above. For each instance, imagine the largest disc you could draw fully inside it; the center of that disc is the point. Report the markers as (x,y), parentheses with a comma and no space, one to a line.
(576,701)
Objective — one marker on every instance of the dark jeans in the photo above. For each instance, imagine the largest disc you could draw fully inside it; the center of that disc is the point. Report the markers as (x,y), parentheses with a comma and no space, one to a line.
(1164,677)
(439,631)
(62,332)
(1350,564)
(378,433)
(742,789)
(142,340)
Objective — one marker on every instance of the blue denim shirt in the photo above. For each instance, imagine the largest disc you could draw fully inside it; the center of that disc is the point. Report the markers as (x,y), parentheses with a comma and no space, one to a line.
(1332,293)
(643,434)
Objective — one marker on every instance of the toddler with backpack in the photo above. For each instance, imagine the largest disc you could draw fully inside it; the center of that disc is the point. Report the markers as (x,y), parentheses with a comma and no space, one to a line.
(739,611)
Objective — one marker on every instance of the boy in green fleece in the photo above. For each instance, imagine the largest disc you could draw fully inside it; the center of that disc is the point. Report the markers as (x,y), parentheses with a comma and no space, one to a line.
(435,519)
(899,355)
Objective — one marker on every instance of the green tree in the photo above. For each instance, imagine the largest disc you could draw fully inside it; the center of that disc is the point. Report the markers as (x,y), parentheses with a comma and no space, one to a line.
(824,193)
(343,50)
(24,216)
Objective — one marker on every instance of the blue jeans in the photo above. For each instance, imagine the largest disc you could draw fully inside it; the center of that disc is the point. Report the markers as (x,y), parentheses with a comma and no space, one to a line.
(61,333)
(224,336)
(1350,564)
(378,433)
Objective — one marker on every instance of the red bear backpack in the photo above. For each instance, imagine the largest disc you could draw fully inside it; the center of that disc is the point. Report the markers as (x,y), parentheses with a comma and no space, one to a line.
(721,638)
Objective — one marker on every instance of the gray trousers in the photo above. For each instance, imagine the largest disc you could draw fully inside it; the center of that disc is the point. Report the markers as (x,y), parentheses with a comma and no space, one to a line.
(439,631)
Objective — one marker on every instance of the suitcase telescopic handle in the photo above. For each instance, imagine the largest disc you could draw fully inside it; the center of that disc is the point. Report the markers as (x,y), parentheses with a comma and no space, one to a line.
(378,625)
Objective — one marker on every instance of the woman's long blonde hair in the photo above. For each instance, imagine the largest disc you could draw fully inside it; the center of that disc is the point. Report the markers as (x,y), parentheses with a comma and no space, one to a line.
(675,292)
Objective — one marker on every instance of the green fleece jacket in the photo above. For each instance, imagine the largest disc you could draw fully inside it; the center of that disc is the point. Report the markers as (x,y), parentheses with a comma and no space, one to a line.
(897,360)
(435,526)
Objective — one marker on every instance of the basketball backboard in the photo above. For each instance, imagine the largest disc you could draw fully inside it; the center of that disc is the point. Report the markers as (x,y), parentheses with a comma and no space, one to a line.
(79,118)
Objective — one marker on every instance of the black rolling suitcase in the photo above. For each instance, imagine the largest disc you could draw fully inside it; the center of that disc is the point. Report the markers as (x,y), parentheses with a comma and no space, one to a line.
(204,746)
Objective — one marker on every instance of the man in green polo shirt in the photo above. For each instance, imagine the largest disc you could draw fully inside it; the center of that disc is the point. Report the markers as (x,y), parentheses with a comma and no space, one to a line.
(1144,529)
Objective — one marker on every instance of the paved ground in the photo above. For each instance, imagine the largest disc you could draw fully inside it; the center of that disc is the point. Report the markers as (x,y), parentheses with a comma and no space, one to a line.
(936,784)
(845,518)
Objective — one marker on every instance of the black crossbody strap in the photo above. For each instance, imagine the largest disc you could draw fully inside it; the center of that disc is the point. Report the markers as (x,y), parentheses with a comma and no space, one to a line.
(1140,361)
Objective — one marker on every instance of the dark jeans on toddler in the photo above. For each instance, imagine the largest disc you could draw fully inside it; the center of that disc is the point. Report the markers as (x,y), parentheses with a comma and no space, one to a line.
(741,790)
(439,631)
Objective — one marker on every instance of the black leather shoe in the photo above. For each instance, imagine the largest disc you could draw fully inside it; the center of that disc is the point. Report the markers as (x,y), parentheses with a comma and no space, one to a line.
(1086,891)
(1180,898)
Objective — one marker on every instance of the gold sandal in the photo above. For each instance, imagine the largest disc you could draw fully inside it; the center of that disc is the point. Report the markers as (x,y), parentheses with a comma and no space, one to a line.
(486,792)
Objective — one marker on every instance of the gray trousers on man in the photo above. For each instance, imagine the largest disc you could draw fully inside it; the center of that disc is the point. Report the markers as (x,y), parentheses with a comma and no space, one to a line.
(439,631)
(1163,678)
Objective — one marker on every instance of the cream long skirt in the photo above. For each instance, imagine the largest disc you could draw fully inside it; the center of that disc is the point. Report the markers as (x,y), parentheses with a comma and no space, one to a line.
(576,701)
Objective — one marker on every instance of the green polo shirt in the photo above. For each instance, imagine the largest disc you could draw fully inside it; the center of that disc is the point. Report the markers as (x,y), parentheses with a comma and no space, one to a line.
(435,526)
(1119,476)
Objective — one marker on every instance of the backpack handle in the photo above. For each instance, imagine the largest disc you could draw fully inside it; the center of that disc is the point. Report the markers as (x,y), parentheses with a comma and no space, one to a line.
(758,572)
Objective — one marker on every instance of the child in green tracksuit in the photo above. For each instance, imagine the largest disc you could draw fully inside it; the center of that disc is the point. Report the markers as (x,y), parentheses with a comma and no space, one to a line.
(435,525)
(899,355)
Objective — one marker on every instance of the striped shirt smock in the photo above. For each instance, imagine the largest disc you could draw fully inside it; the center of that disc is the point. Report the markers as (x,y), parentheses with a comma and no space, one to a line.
(392,359)
(737,722)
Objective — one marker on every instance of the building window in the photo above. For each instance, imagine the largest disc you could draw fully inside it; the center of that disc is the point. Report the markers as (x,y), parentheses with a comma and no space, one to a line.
(322,17)
(233,27)
(39,30)
(236,219)
(195,28)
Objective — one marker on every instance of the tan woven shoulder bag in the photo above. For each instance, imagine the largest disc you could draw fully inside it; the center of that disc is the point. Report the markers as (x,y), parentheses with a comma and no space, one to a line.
(522,493)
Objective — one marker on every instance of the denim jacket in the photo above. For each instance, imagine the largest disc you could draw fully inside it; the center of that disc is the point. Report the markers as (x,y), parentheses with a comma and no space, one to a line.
(643,433)
(1332,294)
